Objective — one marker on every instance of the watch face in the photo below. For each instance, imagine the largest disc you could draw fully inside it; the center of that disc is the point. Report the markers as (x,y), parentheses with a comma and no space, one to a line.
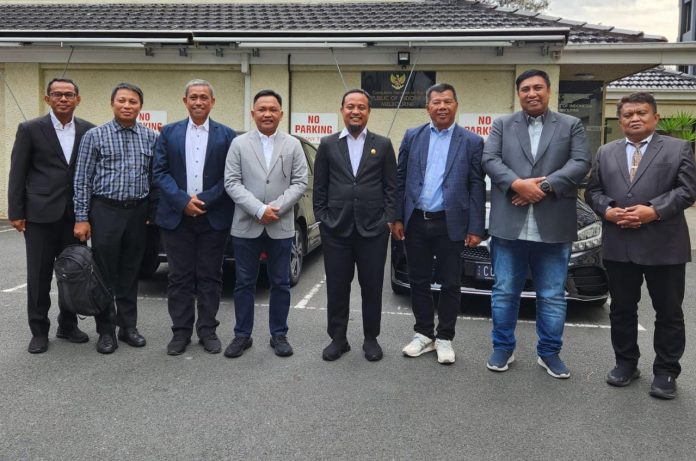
(545,186)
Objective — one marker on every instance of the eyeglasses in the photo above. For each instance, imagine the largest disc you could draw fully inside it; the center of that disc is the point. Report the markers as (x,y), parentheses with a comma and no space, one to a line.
(57,95)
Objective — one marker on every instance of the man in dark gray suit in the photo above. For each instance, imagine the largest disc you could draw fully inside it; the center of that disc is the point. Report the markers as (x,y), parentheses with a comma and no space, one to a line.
(40,203)
(641,185)
(536,158)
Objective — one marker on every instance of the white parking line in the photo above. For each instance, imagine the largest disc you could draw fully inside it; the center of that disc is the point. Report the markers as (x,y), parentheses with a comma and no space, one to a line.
(13,289)
(7,230)
(304,304)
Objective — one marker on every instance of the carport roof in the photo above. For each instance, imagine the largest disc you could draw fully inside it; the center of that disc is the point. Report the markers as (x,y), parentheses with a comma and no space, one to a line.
(277,19)
(655,79)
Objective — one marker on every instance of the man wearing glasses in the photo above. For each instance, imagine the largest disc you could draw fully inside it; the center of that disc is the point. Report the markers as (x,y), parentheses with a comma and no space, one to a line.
(40,203)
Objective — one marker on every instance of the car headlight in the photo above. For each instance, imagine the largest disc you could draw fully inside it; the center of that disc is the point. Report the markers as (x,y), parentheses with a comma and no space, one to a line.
(588,237)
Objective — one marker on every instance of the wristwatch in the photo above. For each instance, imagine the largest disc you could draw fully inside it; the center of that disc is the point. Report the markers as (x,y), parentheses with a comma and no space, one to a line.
(545,186)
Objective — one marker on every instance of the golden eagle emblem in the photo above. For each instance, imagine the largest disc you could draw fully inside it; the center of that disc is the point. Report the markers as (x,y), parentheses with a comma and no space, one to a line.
(397,81)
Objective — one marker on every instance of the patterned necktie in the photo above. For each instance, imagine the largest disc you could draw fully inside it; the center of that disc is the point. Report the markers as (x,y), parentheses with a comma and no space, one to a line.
(637,155)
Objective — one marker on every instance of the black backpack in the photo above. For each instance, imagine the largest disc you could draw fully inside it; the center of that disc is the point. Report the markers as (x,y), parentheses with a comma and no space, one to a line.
(81,288)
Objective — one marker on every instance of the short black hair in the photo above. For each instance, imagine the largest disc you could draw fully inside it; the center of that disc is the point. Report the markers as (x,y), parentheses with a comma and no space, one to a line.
(440,88)
(639,98)
(62,80)
(357,90)
(128,86)
(529,73)
(268,92)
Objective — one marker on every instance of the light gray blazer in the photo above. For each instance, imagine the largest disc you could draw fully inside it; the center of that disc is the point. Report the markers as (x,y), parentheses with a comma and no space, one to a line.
(563,157)
(251,184)
(665,179)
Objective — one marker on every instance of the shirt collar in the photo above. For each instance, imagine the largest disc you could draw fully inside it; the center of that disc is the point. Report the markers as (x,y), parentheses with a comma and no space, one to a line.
(345,132)
(115,126)
(205,125)
(448,130)
(271,137)
(543,117)
(58,124)
(644,141)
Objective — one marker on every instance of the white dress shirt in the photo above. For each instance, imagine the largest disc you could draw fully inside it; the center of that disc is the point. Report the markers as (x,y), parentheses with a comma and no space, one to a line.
(267,144)
(66,135)
(355,147)
(196,146)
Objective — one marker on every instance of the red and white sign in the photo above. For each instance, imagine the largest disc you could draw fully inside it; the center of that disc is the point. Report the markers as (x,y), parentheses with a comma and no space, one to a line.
(478,123)
(313,126)
(153,119)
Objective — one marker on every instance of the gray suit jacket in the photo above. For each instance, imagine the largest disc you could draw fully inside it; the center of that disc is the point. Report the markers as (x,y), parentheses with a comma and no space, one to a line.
(665,179)
(251,184)
(562,156)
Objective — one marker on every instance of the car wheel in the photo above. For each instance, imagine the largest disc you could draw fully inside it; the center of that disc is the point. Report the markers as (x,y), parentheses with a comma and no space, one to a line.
(297,253)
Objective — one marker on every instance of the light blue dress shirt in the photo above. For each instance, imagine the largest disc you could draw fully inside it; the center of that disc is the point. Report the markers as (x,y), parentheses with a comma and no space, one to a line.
(355,147)
(630,149)
(530,231)
(431,197)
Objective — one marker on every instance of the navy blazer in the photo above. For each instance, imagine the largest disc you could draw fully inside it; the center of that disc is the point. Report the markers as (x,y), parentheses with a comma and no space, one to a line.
(169,175)
(463,186)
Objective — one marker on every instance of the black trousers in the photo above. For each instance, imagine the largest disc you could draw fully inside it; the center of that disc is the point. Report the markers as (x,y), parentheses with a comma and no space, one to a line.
(44,242)
(341,256)
(425,239)
(666,289)
(118,242)
(194,255)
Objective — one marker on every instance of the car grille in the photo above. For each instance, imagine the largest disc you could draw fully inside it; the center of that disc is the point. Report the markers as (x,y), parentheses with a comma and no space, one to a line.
(479,253)
(588,281)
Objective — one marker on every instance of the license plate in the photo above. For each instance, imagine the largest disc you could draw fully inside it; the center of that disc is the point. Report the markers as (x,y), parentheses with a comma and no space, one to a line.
(484,272)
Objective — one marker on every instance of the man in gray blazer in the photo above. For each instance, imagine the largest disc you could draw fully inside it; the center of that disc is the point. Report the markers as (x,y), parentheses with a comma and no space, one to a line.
(265,174)
(535,158)
(640,186)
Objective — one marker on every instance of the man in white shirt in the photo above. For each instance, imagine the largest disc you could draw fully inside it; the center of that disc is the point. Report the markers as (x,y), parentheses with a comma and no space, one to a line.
(265,174)
(40,203)
(195,215)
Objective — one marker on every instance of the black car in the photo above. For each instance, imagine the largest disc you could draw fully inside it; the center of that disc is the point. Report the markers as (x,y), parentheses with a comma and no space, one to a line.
(306,230)
(586,282)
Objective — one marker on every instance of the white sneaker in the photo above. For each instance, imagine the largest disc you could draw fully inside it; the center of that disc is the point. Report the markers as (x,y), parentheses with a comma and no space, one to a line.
(445,353)
(419,345)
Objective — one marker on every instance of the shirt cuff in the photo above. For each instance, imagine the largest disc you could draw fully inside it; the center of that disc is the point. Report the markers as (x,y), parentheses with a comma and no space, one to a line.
(260,212)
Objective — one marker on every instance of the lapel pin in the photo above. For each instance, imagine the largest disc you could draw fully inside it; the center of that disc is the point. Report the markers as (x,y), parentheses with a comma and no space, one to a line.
(373,152)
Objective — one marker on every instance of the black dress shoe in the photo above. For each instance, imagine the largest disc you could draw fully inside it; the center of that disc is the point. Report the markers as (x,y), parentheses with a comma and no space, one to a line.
(373,351)
(74,336)
(106,344)
(335,350)
(131,337)
(238,345)
(211,344)
(622,375)
(177,345)
(281,346)
(38,344)
(664,387)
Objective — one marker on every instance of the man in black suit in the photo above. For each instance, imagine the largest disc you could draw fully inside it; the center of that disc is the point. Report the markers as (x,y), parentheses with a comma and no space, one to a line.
(40,203)
(640,185)
(354,192)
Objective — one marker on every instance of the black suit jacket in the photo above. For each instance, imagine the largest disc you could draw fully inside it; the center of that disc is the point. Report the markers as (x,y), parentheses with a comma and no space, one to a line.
(365,202)
(665,179)
(41,181)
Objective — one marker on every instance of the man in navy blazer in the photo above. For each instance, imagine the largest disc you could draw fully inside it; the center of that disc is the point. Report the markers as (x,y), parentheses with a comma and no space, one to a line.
(195,215)
(440,208)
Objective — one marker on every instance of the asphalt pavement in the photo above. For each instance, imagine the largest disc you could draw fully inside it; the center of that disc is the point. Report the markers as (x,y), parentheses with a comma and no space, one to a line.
(140,404)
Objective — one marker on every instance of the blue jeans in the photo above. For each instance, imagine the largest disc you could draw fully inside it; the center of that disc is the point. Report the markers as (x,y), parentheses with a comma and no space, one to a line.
(548,265)
(246,255)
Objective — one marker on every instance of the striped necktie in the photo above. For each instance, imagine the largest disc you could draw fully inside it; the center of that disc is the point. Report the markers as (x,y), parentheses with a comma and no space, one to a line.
(637,155)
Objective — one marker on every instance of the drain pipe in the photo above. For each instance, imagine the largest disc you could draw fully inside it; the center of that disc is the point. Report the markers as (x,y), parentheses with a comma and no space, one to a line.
(289,116)
(246,70)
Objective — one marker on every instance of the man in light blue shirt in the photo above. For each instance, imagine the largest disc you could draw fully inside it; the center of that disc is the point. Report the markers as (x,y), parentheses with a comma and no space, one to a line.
(440,209)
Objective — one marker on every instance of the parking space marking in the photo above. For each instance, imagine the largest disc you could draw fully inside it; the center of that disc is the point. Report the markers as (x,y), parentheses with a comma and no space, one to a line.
(310,294)
(304,305)
(7,230)
(13,289)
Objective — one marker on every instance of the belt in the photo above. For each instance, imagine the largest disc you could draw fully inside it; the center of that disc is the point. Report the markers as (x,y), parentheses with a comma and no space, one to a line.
(428,215)
(125,204)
